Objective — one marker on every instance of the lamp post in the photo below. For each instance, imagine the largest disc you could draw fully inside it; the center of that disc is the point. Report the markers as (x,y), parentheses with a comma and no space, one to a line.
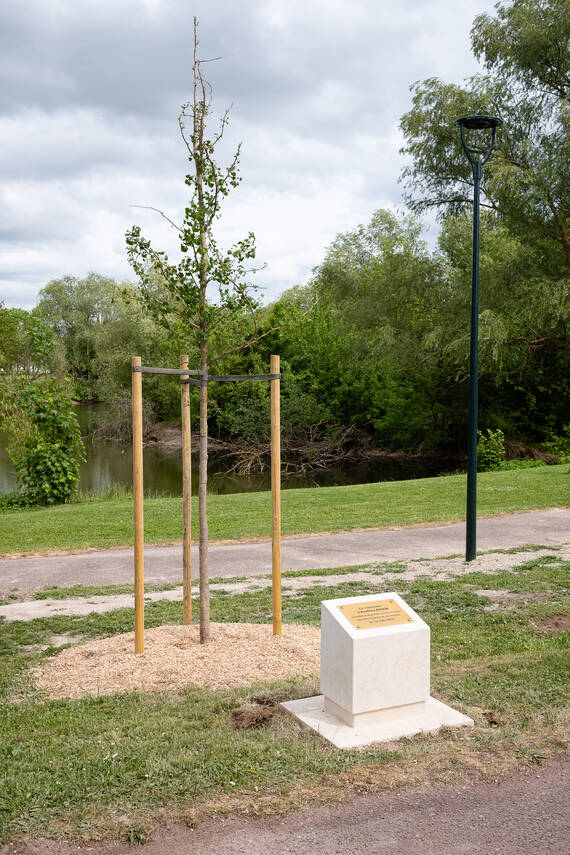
(474,123)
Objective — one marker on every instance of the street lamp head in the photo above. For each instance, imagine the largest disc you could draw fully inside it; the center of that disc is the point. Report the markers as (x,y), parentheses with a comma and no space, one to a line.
(478,123)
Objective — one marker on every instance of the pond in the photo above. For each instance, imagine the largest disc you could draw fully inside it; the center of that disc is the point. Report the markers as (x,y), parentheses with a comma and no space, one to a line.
(110,463)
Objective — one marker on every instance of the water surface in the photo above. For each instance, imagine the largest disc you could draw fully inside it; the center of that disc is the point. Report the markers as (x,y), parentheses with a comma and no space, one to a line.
(111,463)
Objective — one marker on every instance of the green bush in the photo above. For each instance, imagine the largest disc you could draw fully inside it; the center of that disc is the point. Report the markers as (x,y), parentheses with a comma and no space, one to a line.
(559,445)
(13,502)
(46,447)
(490,450)
(506,465)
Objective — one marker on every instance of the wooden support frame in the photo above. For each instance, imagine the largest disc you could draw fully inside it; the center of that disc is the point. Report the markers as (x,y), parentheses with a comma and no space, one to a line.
(193,377)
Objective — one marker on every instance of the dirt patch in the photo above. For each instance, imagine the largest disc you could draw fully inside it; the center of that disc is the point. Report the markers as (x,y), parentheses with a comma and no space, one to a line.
(251,715)
(555,624)
(239,654)
(506,600)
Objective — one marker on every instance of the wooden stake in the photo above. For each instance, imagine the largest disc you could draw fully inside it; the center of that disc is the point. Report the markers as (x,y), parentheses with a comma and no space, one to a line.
(187,494)
(276,497)
(205,628)
(138,505)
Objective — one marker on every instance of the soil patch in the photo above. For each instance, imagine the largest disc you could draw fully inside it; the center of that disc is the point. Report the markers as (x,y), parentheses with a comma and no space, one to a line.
(239,654)
(506,600)
(556,624)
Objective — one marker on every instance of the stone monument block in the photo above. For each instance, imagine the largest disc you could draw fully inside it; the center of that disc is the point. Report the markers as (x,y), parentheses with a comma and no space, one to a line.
(374,656)
(375,674)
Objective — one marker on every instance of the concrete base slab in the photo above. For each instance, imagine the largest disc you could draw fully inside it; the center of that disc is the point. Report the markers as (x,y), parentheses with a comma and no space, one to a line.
(311,713)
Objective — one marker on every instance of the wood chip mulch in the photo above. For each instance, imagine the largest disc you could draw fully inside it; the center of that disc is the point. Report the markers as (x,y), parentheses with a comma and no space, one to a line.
(239,654)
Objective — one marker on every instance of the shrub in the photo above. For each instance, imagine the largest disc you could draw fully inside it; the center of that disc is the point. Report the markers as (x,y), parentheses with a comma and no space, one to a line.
(490,450)
(13,502)
(45,446)
(506,465)
(559,445)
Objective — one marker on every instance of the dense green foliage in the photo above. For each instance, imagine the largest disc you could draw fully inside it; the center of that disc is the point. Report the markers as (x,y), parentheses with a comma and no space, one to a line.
(100,327)
(387,345)
(379,339)
(526,181)
(525,251)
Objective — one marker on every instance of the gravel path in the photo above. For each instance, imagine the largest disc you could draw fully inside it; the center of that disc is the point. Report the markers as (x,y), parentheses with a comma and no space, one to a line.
(382,574)
(526,814)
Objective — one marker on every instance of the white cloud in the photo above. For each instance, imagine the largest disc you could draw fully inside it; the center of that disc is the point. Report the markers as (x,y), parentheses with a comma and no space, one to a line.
(88,106)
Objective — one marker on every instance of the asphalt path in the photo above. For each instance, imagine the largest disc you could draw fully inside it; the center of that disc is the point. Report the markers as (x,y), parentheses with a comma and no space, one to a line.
(526,814)
(164,563)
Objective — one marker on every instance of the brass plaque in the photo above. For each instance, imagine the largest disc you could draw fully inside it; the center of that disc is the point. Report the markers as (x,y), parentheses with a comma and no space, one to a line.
(375,613)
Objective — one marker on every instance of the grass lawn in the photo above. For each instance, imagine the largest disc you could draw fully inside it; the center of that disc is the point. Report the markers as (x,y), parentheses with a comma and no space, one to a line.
(119,764)
(109,522)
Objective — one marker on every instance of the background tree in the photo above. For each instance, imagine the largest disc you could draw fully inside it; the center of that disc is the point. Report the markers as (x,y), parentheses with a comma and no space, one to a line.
(524,325)
(386,346)
(45,445)
(525,50)
(362,350)
(12,337)
(99,324)
(207,290)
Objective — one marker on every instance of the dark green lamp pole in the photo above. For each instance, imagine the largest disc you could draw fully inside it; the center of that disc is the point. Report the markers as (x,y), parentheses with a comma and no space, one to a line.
(474,123)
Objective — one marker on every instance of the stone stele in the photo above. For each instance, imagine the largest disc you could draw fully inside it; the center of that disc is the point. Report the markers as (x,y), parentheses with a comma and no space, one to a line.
(375,675)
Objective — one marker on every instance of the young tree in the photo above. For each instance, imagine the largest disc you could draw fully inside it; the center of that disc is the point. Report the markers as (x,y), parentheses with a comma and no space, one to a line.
(525,51)
(207,290)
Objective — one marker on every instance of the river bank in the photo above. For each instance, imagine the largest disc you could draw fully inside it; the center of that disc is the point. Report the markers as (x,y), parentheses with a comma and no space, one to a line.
(303,456)
(350,457)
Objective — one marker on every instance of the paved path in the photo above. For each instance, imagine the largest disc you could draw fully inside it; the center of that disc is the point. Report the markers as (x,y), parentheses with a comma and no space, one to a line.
(163,563)
(527,814)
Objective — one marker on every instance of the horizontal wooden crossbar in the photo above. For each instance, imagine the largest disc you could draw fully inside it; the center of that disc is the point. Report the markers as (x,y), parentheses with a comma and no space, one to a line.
(148,369)
(217,378)
(232,378)
(238,378)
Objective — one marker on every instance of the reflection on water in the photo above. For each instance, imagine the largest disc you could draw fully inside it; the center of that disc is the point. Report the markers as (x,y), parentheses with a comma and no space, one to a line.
(110,463)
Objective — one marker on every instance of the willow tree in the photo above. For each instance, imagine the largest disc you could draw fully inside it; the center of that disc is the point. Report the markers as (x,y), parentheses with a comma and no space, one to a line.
(207,291)
(525,50)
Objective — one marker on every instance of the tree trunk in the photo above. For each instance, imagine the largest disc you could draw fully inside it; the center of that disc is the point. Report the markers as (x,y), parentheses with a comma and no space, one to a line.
(199,152)
(202,501)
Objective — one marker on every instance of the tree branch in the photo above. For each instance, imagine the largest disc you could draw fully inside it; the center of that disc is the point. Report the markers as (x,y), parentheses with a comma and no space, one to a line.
(162,214)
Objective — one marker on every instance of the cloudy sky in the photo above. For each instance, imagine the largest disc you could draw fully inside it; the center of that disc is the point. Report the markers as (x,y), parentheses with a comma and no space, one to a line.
(90,91)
